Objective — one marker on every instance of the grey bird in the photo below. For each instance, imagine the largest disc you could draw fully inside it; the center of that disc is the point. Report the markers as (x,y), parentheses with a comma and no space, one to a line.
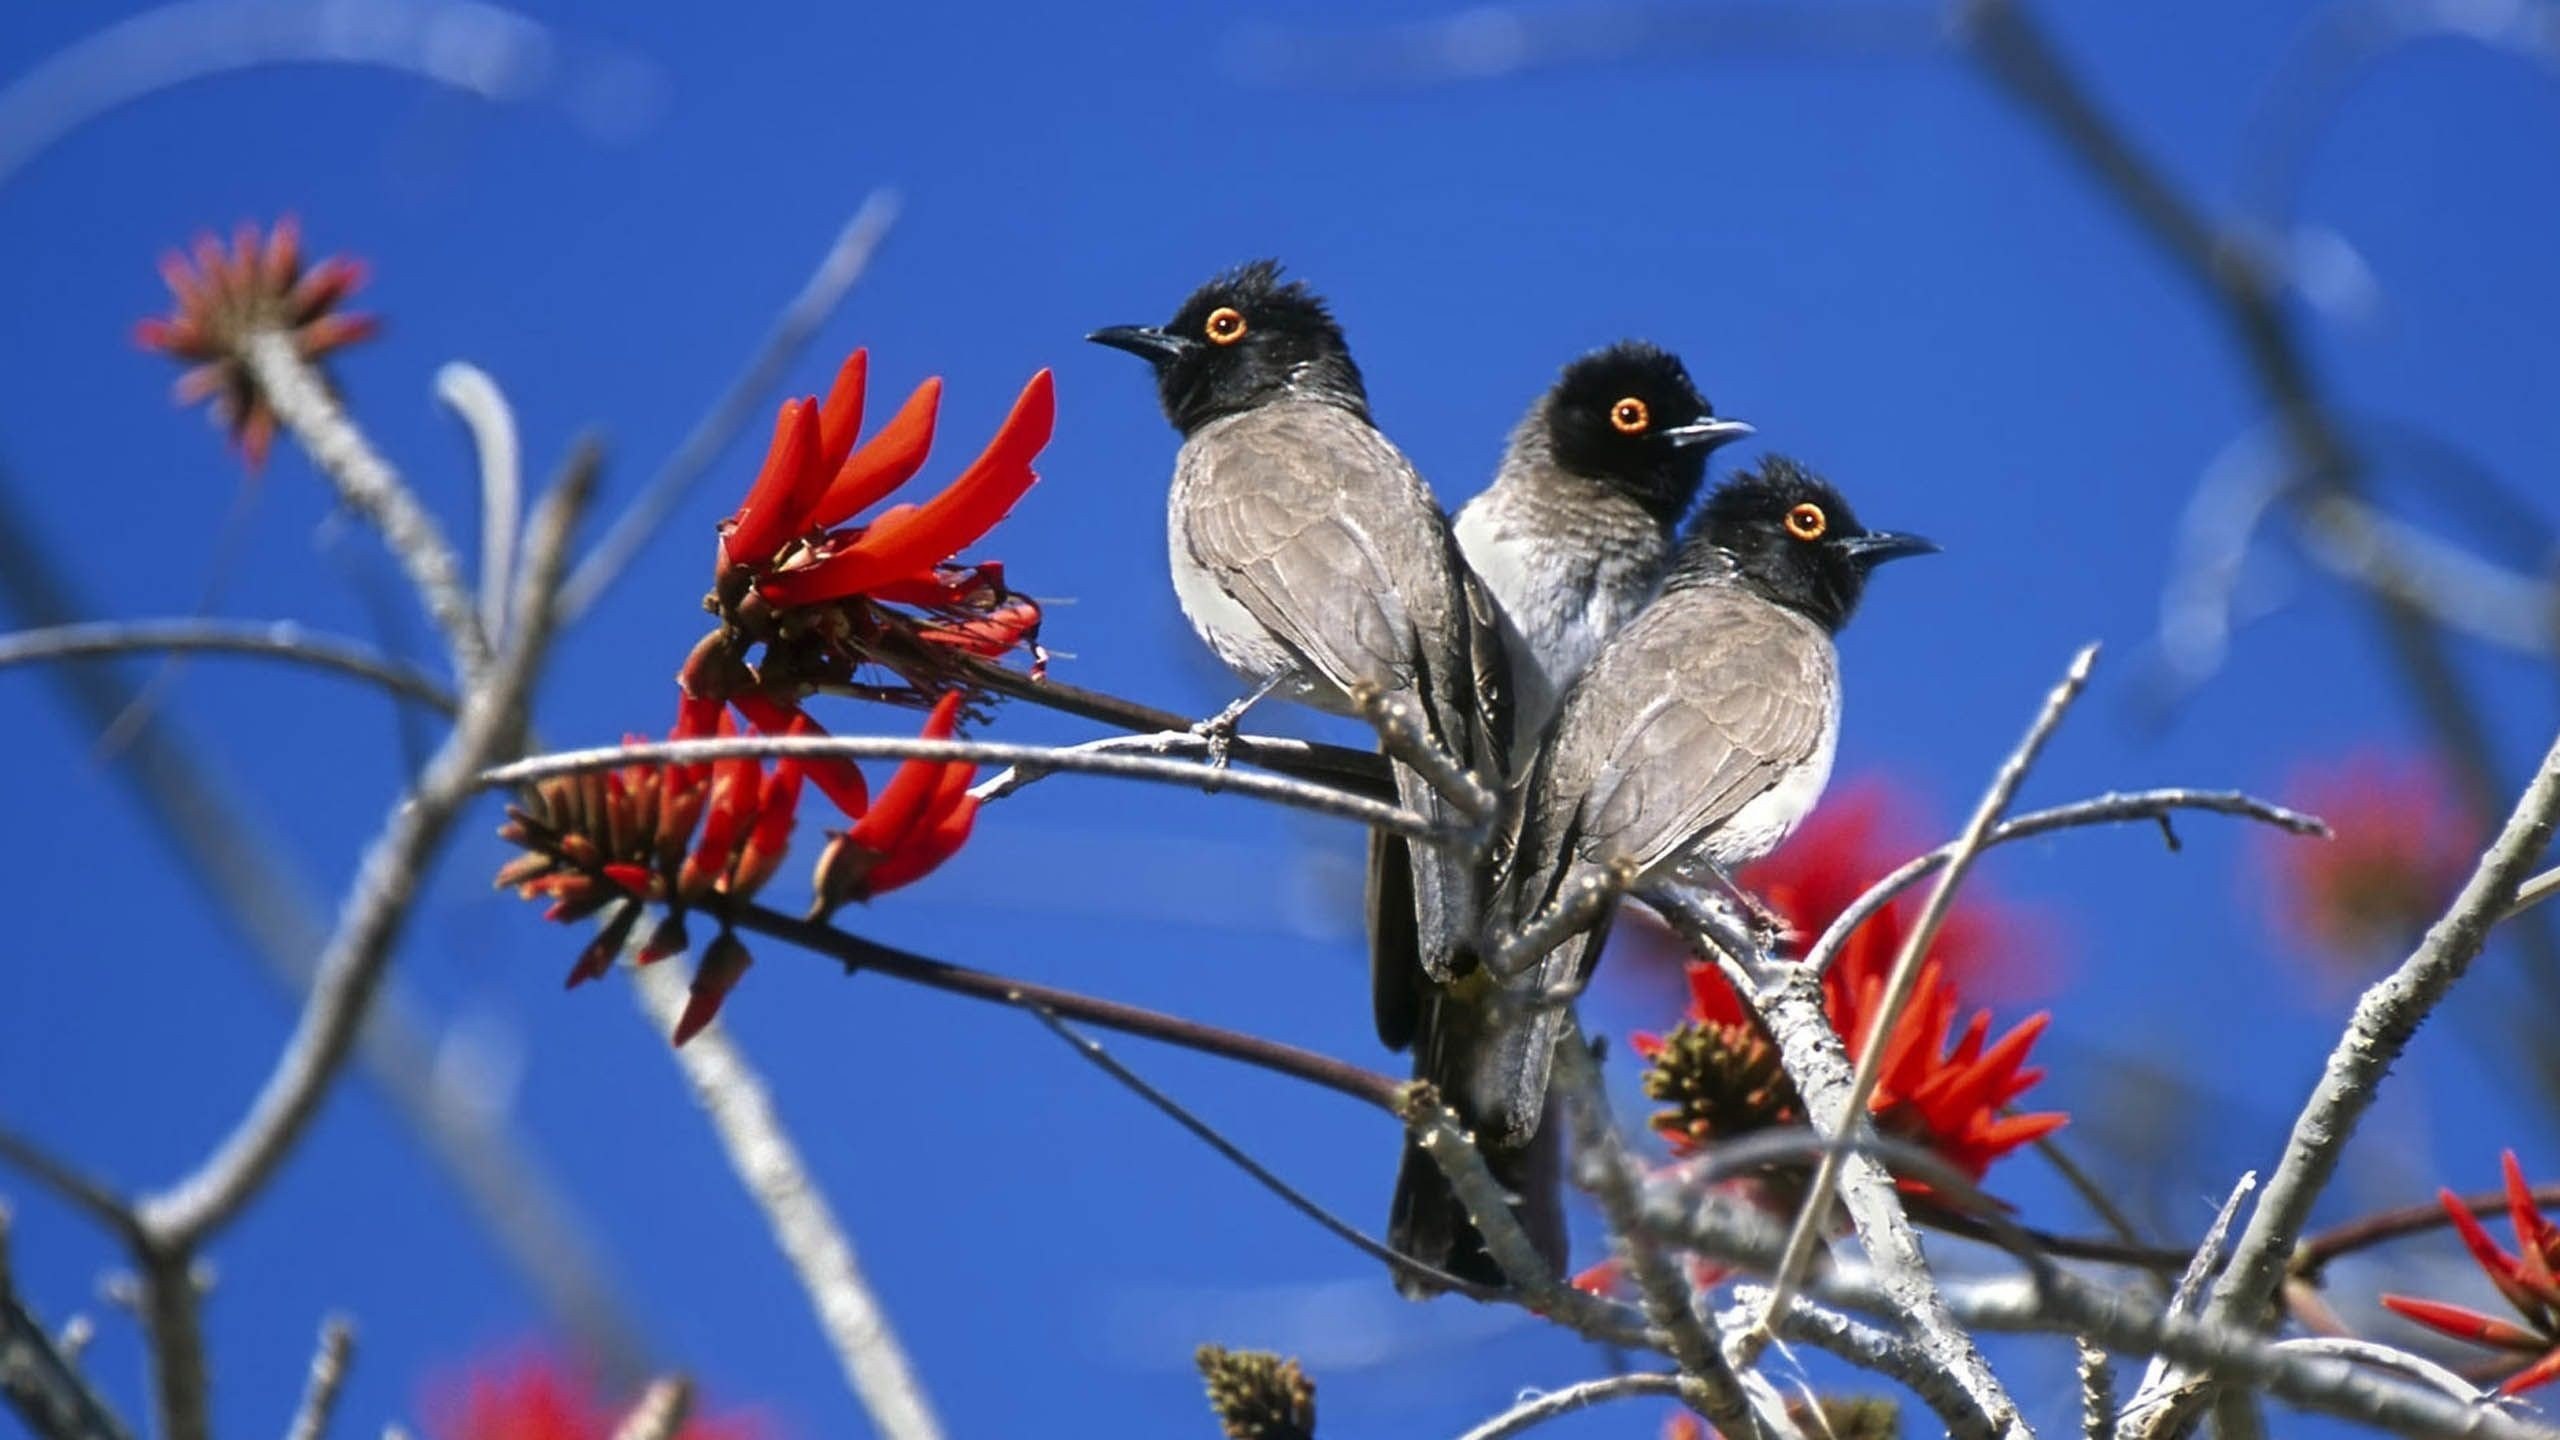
(1692,744)
(1576,531)
(1312,558)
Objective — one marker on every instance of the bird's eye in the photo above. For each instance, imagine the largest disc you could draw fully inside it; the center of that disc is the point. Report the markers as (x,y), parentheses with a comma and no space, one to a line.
(1226,325)
(1807,522)
(1630,416)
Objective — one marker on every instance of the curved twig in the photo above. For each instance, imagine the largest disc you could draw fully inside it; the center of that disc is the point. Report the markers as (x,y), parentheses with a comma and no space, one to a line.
(271,640)
(482,407)
(2315,1252)
(1540,1407)
(2112,809)
(1302,794)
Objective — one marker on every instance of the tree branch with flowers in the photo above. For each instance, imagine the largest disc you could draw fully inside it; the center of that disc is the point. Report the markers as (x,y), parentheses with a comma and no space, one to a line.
(1839,1054)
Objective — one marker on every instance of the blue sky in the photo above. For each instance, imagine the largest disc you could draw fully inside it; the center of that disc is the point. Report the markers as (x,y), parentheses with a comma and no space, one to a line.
(1871,257)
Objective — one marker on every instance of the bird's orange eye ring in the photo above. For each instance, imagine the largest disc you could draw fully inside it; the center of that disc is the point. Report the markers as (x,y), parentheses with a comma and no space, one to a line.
(1807,522)
(1631,416)
(1226,325)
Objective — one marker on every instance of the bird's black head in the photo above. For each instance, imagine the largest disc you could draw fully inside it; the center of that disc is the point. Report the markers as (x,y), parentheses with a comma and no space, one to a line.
(1788,535)
(1629,417)
(1241,340)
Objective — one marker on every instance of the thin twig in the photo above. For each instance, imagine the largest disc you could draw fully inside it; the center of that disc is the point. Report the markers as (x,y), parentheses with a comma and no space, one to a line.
(1264,751)
(1708,1384)
(1437,1131)
(804,1225)
(660,1412)
(2159,1380)
(69,1183)
(272,640)
(2385,1357)
(2534,891)
(39,1379)
(1539,1407)
(1301,794)
(2315,1252)
(370,487)
(1864,1346)
(2097,1390)
(378,905)
(2111,809)
(838,270)
(1363,772)
(1904,976)
(1091,1050)
(328,1374)
(859,955)
(483,409)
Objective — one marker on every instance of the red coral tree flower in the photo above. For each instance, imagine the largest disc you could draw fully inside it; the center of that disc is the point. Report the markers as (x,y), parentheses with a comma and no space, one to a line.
(2525,1279)
(1945,1083)
(923,817)
(2401,845)
(825,596)
(259,285)
(535,1396)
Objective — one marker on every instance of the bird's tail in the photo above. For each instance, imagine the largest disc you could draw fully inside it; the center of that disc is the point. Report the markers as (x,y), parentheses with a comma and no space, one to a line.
(1471,1052)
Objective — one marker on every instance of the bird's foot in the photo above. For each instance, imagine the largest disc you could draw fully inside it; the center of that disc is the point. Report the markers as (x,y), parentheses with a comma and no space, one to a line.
(1219,730)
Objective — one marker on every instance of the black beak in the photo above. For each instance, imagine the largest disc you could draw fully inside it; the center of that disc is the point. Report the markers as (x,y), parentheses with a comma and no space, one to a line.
(1877,546)
(1707,433)
(1148,342)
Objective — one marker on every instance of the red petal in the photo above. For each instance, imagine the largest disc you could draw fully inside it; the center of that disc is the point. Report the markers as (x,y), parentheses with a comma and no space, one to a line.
(840,779)
(778,501)
(2533,1233)
(2464,1324)
(902,802)
(283,256)
(889,460)
(724,962)
(2540,1372)
(840,419)
(936,841)
(896,548)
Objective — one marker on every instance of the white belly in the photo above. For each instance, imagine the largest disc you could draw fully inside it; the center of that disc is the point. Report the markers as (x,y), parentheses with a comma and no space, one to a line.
(1556,614)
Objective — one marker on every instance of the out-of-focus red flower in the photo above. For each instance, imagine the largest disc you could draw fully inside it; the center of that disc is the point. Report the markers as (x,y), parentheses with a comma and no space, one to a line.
(224,296)
(822,596)
(923,817)
(2524,1279)
(534,1396)
(707,835)
(2401,845)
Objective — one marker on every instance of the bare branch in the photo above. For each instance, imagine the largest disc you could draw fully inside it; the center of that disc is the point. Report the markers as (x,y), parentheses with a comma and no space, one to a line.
(2316,1251)
(250,886)
(1906,966)
(368,485)
(838,271)
(1864,1346)
(273,640)
(858,954)
(2160,1384)
(804,1225)
(1301,794)
(2388,1014)
(328,1375)
(1539,1407)
(1707,1382)
(660,1412)
(39,1380)
(378,906)
(69,1183)
(484,411)
(1270,753)
(2057,1302)
(1209,1135)
(2113,809)
(1363,772)
(2097,1391)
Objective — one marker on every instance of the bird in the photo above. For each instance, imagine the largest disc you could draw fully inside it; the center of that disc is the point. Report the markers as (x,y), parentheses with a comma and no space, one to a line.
(1310,555)
(1571,539)
(1694,742)
(1574,534)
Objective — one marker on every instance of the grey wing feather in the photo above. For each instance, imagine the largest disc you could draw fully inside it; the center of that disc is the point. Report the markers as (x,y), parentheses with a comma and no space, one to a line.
(1315,560)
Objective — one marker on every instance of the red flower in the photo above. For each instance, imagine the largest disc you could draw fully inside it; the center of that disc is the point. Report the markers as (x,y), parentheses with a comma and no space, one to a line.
(922,819)
(825,596)
(1944,1084)
(2401,847)
(535,1397)
(2525,1279)
(225,297)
